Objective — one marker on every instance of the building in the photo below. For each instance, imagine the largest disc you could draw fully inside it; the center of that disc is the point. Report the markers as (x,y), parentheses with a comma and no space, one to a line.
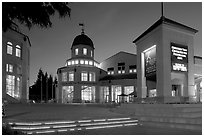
(78,79)
(15,65)
(165,52)
(118,78)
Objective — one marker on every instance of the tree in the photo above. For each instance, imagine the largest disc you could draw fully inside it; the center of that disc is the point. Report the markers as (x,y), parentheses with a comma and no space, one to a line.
(32,13)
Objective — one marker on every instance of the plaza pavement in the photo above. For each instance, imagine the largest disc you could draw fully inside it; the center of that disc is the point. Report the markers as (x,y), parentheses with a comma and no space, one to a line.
(58,112)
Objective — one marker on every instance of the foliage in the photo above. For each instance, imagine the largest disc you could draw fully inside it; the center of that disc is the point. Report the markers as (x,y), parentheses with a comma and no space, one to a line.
(32,13)
(44,85)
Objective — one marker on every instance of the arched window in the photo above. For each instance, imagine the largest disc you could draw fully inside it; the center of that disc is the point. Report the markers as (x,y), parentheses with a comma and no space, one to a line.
(85,51)
(77,51)
(18,51)
(9,48)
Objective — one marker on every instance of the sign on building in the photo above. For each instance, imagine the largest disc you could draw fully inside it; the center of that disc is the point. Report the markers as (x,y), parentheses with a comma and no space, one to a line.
(150,61)
(179,57)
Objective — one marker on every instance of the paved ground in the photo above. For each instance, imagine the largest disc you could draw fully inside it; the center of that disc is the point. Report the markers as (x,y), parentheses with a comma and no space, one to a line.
(53,112)
(47,112)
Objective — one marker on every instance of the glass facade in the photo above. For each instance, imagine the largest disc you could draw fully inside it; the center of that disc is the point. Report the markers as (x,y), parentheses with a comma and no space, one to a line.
(116,90)
(64,76)
(84,76)
(88,94)
(67,94)
(71,76)
(10,85)
(127,91)
(92,76)
(104,94)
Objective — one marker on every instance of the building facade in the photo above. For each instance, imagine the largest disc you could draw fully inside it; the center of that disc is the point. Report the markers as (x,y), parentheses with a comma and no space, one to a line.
(126,77)
(15,65)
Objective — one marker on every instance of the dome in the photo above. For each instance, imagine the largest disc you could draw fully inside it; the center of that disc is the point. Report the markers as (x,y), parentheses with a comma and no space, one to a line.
(82,39)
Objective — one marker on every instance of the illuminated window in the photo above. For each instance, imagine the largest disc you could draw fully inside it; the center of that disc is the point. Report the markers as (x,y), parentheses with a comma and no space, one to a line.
(153,93)
(104,94)
(73,62)
(88,94)
(18,85)
(85,51)
(92,76)
(91,63)
(67,94)
(91,53)
(76,61)
(86,62)
(69,63)
(81,61)
(110,71)
(132,69)
(121,68)
(10,85)
(9,68)
(84,76)
(71,76)
(64,76)
(77,51)
(18,51)
(9,48)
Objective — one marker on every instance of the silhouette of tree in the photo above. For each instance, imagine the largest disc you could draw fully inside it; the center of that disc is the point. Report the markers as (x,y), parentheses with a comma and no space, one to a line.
(32,13)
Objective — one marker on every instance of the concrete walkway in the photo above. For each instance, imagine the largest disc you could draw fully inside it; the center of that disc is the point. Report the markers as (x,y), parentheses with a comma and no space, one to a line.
(56,112)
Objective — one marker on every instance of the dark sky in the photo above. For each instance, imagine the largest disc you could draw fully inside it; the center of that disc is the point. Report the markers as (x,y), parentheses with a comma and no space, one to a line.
(111,26)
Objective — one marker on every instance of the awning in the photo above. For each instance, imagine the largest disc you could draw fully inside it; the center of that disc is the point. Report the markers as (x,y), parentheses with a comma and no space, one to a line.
(133,93)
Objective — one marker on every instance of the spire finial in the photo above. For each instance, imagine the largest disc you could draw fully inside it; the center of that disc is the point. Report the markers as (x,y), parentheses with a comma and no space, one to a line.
(162,10)
(82,27)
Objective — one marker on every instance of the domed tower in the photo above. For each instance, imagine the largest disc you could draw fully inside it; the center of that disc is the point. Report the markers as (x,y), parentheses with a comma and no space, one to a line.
(78,79)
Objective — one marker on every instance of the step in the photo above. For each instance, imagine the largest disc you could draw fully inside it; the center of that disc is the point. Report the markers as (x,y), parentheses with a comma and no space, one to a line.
(65,126)
(173,125)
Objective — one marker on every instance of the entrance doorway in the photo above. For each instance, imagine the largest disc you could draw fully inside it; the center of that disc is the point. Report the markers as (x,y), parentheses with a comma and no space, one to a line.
(115,91)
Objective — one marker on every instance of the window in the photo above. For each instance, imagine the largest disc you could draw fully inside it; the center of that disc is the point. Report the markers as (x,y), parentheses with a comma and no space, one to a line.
(77,51)
(86,62)
(18,85)
(64,76)
(121,68)
(110,71)
(91,53)
(67,94)
(84,76)
(76,61)
(18,51)
(9,68)
(81,61)
(132,69)
(85,51)
(91,63)
(92,76)
(69,63)
(71,76)
(9,48)
(73,62)
(88,94)
(10,85)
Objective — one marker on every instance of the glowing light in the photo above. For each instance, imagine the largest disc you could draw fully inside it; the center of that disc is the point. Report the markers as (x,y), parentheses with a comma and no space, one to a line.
(84,121)
(29,128)
(149,48)
(118,119)
(104,126)
(60,122)
(28,124)
(96,120)
(62,130)
(132,124)
(64,126)
(49,131)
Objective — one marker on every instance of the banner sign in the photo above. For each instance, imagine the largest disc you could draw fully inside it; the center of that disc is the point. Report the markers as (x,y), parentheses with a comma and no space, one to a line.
(179,57)
(150,62)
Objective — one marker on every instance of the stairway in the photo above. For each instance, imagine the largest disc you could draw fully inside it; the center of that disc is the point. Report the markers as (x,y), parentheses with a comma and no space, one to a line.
(54,127)
(182,116)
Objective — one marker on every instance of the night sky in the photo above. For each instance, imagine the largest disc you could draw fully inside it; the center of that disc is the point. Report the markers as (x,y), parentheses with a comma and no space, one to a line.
(111,26)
